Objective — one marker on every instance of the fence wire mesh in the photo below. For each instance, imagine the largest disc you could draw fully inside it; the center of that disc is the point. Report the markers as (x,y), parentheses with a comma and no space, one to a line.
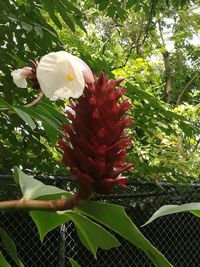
(176,236)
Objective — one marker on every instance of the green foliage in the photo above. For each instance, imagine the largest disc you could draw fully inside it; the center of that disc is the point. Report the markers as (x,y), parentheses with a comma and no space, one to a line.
(163,135)
(28,31)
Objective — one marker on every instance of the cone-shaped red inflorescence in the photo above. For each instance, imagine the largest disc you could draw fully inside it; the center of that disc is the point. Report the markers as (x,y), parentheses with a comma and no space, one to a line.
(95,142)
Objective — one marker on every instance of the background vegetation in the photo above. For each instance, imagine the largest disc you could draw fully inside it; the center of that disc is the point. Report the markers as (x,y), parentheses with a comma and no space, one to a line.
(153,44)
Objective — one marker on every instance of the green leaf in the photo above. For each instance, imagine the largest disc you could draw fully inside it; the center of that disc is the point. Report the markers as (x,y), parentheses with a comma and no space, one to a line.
(65,17)
(73,263)
(129,3)
(4,263)
(34,189)
(80,24)
(48,106)
(40,115)
(47,117)
(10,247)
(47,221)
(171,209)
(71,7)
(22,114)
(51,133)
(26,26)
(186,128)
(103,4)
(39,31)
(114,217)
(50,123)
(50,7)
(91,234)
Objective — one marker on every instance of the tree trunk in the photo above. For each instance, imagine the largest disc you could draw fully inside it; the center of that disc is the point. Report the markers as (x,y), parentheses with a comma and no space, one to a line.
(168,77)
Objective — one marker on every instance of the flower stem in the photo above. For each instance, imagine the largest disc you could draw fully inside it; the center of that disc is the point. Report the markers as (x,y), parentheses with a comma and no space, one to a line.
(44,205)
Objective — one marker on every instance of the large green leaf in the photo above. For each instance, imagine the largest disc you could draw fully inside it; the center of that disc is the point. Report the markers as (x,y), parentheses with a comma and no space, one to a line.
(114,217)
(4,263)
(34,189)
(171,209)
(47,221)
(91,234)
(10,247)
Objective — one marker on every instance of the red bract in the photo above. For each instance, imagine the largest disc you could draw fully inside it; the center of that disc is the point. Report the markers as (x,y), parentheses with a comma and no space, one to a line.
(95,142)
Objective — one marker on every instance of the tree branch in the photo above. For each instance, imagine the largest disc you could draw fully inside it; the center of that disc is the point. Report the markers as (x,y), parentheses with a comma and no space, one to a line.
(166,59)
(185,89)
(161,34)
(132,46)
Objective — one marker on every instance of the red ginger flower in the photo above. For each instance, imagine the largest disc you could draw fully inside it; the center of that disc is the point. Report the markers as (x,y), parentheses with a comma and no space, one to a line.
(95,142)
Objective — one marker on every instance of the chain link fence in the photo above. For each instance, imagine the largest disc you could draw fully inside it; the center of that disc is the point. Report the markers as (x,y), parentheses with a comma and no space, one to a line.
(176,236)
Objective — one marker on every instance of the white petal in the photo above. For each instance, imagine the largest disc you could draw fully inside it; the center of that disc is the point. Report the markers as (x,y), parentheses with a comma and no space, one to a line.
(87,73)
(59,77)
(18,78)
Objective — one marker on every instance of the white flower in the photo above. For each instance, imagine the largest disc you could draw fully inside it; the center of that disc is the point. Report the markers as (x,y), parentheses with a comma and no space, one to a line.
(20,75)
(61,76)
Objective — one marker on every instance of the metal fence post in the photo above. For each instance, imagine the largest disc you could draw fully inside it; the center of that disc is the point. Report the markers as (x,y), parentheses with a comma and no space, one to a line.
(62,246)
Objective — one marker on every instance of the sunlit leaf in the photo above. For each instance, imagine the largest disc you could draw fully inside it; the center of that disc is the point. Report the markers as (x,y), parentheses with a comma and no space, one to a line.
(172,209)
(34,189)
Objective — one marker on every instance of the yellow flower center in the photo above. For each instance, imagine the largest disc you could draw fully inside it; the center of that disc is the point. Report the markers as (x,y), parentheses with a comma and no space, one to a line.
(70,77)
